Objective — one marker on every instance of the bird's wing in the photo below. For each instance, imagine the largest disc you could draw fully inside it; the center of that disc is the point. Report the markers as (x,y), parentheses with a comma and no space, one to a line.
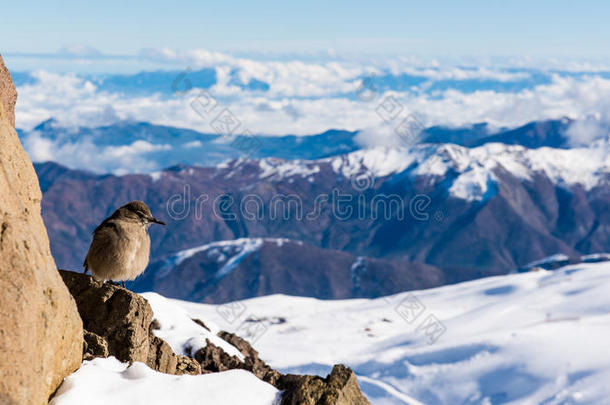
(105,235)
(106,222)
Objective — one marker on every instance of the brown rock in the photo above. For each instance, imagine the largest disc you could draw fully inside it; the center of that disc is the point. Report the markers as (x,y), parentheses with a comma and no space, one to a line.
(187,365)
(213,359)
(252,362)
(95,346)
(41,333)
(8,94)
(120,323)
(338,388)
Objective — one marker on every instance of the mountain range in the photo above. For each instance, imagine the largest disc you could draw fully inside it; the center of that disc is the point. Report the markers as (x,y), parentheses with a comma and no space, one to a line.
(188,147)
(362,224)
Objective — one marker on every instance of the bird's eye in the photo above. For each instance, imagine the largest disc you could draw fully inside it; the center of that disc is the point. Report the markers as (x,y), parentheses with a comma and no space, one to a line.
(140,214)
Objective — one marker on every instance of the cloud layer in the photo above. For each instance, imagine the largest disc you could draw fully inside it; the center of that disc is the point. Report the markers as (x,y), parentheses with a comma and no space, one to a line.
(304,97)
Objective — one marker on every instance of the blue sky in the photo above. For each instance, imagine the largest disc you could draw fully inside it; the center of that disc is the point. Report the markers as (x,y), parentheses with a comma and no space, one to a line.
(442,28)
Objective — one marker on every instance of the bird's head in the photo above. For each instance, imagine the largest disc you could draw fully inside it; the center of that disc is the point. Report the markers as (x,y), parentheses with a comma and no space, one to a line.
(138,211)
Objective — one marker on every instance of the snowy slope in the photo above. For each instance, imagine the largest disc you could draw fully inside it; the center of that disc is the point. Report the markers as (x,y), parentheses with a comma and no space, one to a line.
(538,337)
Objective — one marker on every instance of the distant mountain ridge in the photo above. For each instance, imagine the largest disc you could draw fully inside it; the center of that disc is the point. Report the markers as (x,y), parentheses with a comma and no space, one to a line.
(463,212)
(165,146)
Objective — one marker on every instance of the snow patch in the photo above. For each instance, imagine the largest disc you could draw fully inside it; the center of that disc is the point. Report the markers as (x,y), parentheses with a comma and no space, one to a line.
(104,381)
(278,169)
(179,330)
(232,252)
(155,176)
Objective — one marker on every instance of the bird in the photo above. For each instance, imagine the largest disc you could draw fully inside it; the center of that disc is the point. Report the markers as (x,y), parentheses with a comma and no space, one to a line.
(120,247)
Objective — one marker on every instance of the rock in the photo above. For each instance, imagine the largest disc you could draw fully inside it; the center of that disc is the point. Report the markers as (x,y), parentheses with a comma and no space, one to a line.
(252,362)
(41,334)
(338,388)
(120,323)
(95,346)
(214,359)
(186,365)
(8,94)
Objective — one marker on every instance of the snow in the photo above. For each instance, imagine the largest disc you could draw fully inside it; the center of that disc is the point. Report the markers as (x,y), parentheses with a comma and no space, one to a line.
(556,258)
(231,252)
(528,338)
(178,329)
(596,257)
(473,184)
(155,176)
(108,381)
(280,169)
(239,248)
(248,246)
(475,166)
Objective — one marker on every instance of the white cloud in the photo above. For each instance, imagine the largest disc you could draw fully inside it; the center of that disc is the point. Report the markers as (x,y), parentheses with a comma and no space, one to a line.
(84,154)
(307,98)
(381,135)
(192,144)
(457,73)
(197,58)
(585,131)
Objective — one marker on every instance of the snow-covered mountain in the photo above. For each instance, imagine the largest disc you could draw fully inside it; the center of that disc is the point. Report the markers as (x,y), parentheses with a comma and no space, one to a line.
(404,218)
(529,338)
(474,168)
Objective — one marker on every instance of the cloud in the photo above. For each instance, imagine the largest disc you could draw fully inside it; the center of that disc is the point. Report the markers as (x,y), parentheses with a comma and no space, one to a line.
(192,144)
(196,58)
(381,135)
(308,98)
(84,154)
(458,73)
(584,132)
(79,50)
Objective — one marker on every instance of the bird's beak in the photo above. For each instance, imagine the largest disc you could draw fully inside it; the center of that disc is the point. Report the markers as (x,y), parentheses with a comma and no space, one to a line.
(156,221)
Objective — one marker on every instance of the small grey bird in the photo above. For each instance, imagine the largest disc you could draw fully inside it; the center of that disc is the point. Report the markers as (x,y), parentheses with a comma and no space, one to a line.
(121,246)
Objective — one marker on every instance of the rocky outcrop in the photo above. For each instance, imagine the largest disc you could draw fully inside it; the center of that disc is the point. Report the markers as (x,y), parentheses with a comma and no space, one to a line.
(119,323)
(213,359)
(338,388)
(40,330)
